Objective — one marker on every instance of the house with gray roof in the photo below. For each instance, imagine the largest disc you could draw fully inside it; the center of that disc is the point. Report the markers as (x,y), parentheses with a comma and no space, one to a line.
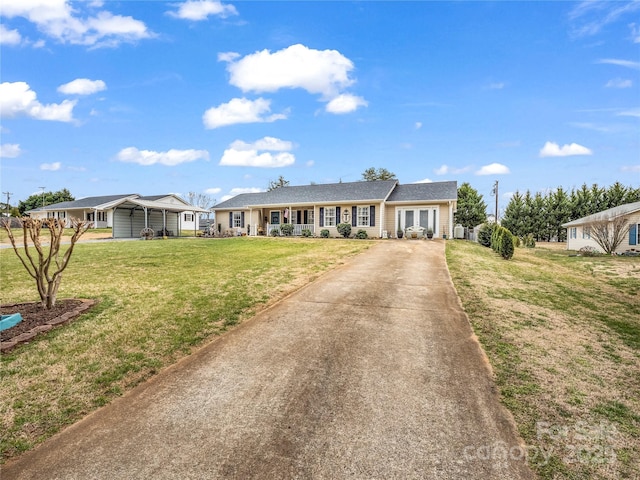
(128,214)
(579,231)
(381,208)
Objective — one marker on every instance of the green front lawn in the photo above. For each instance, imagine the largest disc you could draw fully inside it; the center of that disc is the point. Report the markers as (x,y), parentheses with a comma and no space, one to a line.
(158,301)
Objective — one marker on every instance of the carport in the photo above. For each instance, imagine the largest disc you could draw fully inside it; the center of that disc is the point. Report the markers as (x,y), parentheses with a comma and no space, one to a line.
(134,214)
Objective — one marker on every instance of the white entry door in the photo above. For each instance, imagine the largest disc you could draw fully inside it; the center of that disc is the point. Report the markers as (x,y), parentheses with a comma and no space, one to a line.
(418,217)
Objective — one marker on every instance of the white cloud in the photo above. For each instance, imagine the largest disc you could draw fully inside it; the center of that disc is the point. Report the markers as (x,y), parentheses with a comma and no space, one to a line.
(324,72)
(417,125)
(496,86)
(631,168)
(635,32)
(591,16)
(446,169)
(18,99)
(621,63)
(59,20)
(82,86)
(493,169)
(169,158)
(242,154)
(237,191)
(424,180)
(619,83)
(9,37)
(240,110)
(10,150)
(310,163)
(212,191)
(552,149)
(634,112)
(345,103)
(197,10)
(52,167)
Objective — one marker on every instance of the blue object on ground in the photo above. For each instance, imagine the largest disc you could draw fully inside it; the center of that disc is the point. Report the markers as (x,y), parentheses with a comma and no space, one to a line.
(9,321)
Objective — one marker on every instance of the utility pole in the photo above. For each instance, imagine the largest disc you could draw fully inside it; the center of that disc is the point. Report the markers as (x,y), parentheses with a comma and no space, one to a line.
(42,195)
(8,194)
(495,192)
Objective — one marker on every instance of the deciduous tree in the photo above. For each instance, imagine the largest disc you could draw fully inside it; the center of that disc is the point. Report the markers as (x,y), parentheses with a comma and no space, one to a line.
(36,200)
(47,265)
(608,231)
(371,174)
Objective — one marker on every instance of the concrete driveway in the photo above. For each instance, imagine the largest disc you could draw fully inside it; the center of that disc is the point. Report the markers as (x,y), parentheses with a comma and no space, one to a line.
(372,371)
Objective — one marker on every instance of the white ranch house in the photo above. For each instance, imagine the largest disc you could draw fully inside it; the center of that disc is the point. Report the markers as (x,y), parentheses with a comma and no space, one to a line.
(579,231)
(381,208)
(128,214)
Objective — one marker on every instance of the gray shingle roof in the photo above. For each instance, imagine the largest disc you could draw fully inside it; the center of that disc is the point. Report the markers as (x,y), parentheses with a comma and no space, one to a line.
(425,192)
(312,194)
(610,213)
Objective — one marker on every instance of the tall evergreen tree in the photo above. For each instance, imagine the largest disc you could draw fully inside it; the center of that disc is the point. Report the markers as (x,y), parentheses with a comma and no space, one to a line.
(615,195)
(558,212)
(513,218)
(580,202)
(471,210)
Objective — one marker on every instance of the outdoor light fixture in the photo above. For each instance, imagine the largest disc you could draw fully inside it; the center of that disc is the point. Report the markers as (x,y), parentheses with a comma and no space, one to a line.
(345,216)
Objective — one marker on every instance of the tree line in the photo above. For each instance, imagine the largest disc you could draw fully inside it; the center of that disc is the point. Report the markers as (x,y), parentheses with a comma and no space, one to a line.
(542,215)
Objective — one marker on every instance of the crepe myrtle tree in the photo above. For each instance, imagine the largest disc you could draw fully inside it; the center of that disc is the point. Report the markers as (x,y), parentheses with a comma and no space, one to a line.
(608,232)
(48,263)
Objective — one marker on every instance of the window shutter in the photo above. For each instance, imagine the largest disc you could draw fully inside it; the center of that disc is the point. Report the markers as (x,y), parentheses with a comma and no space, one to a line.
(633,234)
(241,219)
(322,216)
(298,217)
(354,216)
(372,216)
(230,219)
(337,215)
(306,217)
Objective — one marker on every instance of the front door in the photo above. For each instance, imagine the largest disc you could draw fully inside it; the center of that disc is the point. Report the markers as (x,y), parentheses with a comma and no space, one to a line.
(275,217)
(414,217)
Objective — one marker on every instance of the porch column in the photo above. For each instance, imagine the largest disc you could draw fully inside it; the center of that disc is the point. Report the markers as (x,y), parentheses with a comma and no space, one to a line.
(146,220)
(450,220)
(95,218)
(381,207)
(164,221)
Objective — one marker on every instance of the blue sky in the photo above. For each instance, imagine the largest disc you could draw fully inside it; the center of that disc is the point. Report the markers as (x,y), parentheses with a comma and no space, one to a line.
(155,97)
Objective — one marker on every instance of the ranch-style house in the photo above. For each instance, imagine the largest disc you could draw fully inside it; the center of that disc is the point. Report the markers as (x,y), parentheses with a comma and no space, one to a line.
(381,208)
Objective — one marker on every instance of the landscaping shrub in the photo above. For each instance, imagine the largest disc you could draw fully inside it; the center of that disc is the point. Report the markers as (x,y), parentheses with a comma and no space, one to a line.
(588,251)
(529,241)
(344,229)
(306,232)
(485,233)
(362,234)
(286,229)
(496,238)
(274,232)
(324,233)
(506,244)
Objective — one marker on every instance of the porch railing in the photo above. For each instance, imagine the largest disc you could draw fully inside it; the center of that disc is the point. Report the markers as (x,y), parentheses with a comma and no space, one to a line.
(297,228)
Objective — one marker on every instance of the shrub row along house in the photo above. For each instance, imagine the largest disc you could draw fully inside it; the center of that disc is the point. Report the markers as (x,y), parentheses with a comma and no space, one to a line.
(622,221)
(128,214)
(381,208)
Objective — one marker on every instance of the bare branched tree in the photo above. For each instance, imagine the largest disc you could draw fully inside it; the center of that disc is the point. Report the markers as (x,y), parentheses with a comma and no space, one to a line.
(47,265)
(608,232)
(201,200)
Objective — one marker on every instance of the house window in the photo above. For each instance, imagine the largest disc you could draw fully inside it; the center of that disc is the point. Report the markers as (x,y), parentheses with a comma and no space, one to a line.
(237,219)
(311,217)
(188,217)
(573,233)
(363,217)
(330,216)
(586,232)
(102,216)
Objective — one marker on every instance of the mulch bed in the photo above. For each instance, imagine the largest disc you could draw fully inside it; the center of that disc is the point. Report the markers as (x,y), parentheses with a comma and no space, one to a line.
(36,319)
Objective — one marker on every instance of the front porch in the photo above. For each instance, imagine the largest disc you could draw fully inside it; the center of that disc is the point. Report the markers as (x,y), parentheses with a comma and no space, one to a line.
(297,228)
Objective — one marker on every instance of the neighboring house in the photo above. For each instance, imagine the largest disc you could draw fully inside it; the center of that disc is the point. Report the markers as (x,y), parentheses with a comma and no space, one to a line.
(579,231)
(380,208)
(128,214)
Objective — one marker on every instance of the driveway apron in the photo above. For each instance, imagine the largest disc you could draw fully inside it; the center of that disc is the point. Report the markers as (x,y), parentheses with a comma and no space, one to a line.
(371,371)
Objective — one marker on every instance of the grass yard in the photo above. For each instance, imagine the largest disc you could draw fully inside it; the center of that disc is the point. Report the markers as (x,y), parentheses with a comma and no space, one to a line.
(157,301)
(563,336)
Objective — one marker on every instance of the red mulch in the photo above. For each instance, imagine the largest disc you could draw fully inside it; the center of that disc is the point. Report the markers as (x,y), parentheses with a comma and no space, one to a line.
(34,315)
